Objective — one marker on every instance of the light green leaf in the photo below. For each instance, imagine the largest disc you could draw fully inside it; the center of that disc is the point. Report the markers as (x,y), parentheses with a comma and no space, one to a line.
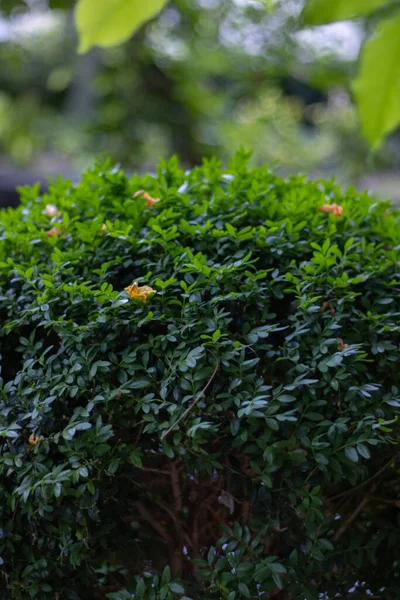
(377,86)
(319,12)
(110,22)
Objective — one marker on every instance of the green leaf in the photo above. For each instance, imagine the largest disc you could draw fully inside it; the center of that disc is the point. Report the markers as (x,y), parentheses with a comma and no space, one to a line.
(243,589)
(110,22)
(312,416)
(83,472)
(363,451)
(140,588)
(266,479)
(166,576)
(319,12)
(377,86)
(278,567)
(286,398)
(176,588)
(113,467)
(351,454)
(277,579)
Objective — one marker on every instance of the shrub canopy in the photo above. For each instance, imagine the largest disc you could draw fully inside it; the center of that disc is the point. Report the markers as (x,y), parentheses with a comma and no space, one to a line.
(232,433)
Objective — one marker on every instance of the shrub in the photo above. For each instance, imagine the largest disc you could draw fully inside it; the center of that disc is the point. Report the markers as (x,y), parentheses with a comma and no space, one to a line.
(231,434)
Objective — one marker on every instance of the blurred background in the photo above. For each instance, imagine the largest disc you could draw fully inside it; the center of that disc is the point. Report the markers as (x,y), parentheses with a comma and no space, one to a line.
(203,78)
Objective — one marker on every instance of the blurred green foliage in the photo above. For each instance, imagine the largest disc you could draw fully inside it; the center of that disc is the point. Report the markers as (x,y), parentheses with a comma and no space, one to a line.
(202,78)
(376,89)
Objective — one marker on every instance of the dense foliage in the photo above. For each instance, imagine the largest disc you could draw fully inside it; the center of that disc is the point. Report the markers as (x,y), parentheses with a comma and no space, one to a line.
(200,388)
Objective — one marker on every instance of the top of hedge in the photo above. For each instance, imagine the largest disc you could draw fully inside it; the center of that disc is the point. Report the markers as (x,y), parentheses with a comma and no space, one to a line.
(186,352)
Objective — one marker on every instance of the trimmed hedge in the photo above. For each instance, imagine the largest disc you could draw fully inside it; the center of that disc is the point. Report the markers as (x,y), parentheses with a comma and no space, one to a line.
(229,431)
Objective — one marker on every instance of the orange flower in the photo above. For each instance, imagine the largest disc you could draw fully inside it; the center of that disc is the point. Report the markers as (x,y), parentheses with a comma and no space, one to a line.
(335,209)
(139,293)
(52,211)
(54,231)
(340,345)
(34,439)
(150,201)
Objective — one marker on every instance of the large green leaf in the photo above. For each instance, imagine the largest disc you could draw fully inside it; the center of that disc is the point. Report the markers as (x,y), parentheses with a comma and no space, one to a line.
(377,87)
(110,22)
(318,12)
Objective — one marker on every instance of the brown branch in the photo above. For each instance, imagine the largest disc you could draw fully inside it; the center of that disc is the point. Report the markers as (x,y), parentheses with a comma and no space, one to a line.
(245,512)
(176,488)
(195,537)
(195,401)
(353,516)
(159,471)
(171,513)
(156,525)
(138,435)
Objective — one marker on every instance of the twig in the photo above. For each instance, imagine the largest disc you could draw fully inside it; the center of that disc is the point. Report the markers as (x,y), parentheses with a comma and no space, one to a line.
(138,435)
(195,401)
(153,522)
(353,516)
(360,485)
(245,512)
(159,471)
(195,536)
(176,488)
(171,513)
